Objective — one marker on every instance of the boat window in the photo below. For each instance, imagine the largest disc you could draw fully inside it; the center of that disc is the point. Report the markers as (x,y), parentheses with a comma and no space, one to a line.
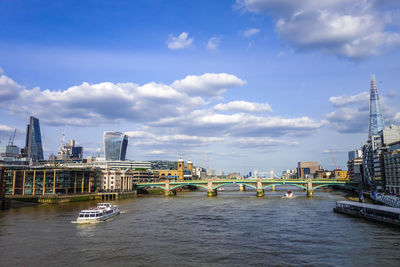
(81,215)
(86,215)
(92,215)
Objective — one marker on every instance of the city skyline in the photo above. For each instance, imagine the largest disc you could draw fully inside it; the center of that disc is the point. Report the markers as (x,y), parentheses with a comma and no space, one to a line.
(251,84)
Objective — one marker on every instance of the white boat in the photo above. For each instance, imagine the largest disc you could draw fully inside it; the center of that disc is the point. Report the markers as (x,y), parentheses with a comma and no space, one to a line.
(289,194)
(221,189)
(102,212)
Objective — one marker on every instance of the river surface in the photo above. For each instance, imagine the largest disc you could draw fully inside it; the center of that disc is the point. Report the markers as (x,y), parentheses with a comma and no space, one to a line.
(233,229)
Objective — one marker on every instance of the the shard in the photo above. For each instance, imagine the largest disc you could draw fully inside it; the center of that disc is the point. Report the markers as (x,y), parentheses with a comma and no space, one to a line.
(376,123)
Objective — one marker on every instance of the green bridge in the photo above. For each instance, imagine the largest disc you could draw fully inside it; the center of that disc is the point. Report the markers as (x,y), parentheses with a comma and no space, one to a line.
(259,185)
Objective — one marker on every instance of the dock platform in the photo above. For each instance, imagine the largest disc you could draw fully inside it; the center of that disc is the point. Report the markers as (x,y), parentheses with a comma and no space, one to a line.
(377,213)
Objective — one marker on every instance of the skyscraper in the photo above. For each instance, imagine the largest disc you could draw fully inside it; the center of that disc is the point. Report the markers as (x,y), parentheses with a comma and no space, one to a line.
(115,145)
(33,142)
(376,123)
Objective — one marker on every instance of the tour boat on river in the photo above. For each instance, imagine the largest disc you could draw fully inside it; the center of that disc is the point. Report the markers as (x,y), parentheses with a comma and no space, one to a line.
(102,212)
(289,194)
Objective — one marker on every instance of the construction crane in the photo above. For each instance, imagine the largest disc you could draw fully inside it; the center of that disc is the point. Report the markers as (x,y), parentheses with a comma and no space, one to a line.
(334,160)
(12,137)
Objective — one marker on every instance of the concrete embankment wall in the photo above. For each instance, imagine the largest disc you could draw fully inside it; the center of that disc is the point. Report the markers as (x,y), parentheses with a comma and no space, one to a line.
(72,198)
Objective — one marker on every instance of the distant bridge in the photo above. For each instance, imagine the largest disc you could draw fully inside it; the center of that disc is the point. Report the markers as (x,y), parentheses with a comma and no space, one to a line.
(258,184)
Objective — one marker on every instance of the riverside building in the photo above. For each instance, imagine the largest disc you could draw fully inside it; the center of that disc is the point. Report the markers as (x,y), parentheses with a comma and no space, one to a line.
(307,169)
(41,180)
(372,151)
(391,165)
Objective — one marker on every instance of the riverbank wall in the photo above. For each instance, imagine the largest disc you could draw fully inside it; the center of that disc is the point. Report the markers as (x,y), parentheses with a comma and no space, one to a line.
(57,199)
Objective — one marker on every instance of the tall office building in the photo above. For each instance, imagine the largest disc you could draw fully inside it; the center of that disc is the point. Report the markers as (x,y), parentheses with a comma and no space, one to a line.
(115,145)
(376,123)
(33,142)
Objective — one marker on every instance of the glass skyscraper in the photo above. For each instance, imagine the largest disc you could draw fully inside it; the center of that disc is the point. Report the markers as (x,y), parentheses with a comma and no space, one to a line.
(376,122)
(115,145)
(33,142)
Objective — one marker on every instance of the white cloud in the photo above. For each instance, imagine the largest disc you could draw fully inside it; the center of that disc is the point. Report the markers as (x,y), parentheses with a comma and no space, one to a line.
(252,142)
(250,32)
(9,89)
(149,139)
(6,128)
(244,106)
(6,131)
(208,84)
(351,112)
(91,104)
(361,98)
(180,109)
(239,124)
(213,43)
(396,117)
(350,29)
(349,120)
(179,42)
(157,152)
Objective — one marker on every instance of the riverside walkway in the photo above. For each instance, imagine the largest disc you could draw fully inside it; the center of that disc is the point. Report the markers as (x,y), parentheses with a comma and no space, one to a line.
(259,185)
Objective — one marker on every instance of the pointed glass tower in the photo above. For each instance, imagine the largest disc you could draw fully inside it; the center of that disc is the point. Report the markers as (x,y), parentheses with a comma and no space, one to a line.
(376,123)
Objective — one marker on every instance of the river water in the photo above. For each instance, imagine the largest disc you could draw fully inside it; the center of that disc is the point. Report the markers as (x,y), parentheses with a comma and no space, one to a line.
(233,229)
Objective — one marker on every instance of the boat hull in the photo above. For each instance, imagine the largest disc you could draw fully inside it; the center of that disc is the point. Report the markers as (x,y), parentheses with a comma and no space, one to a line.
(98,219)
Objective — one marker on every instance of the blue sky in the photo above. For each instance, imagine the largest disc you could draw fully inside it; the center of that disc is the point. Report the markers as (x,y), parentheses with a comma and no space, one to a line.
(254,84)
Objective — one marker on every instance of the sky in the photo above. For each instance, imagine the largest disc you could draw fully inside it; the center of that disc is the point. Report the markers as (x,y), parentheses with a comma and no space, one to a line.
(236,85)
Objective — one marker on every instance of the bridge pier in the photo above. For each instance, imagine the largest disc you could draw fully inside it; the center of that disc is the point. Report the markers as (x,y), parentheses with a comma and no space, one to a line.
(260,190)
(242,187)
(273,188)
(168,192)
(309,188)
(210,191)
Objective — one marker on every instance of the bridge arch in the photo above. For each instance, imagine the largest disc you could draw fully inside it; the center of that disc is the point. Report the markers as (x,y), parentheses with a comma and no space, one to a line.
(235,183)
(147,185)
(342,185)
(182,185)
(297,185)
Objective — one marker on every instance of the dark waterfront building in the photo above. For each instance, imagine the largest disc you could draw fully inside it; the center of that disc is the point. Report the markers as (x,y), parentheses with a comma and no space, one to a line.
(115,145)
(27,180)
(33,143)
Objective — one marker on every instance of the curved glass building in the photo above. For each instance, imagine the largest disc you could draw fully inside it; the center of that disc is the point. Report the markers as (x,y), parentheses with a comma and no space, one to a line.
(115,145)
